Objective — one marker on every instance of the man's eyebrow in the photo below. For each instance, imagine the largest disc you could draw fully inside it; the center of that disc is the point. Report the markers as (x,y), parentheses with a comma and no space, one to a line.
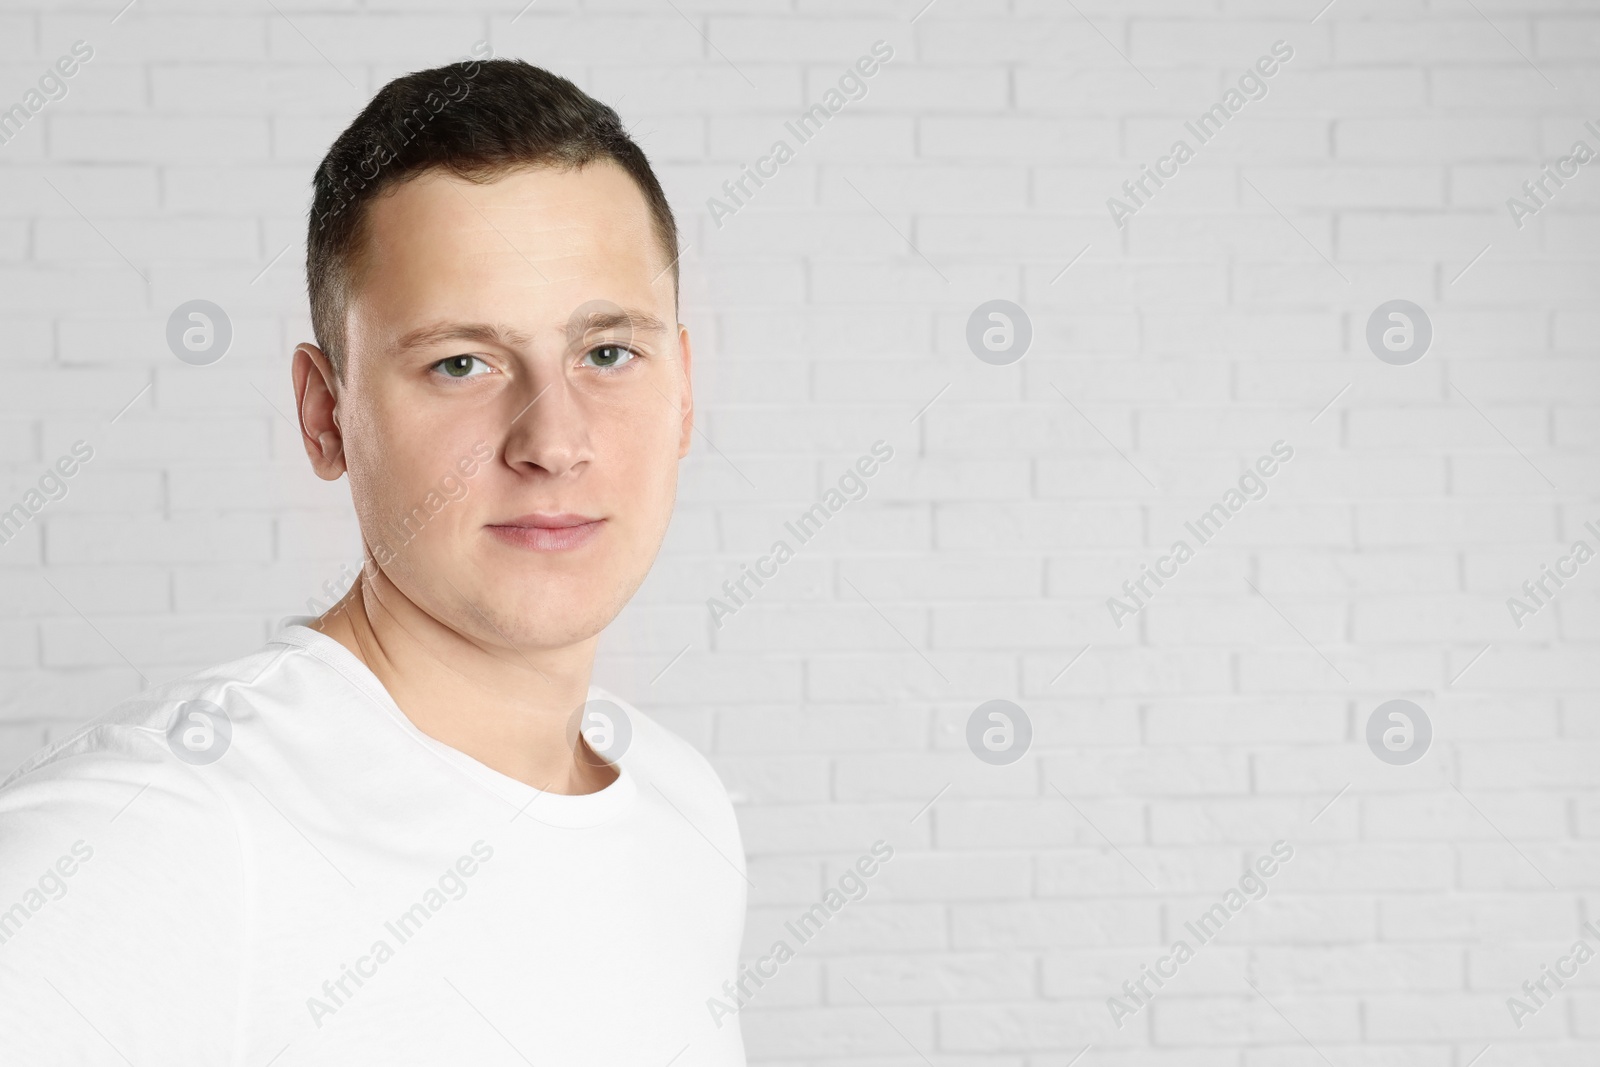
(425,336)
(613,318)
(632,320)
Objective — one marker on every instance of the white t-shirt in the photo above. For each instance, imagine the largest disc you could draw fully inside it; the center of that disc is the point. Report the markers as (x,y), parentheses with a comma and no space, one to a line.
(337,887)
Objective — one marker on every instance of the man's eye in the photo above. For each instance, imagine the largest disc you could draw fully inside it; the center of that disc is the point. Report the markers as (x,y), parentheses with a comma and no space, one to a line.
(462,367)
(607,357)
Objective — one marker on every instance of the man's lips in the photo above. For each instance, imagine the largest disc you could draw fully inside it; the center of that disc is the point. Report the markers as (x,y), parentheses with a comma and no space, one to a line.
(541,520)
(542,532)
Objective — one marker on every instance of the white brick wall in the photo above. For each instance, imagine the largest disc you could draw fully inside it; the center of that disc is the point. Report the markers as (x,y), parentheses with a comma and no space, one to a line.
(1174,749)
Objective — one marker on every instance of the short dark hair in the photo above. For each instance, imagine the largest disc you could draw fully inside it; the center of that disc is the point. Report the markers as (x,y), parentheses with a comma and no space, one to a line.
(477,120)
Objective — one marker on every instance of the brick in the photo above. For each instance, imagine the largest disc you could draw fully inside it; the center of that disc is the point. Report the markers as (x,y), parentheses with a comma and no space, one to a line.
(831,311)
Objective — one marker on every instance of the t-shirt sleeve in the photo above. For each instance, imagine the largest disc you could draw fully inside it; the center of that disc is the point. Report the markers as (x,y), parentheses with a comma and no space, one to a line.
(120,905)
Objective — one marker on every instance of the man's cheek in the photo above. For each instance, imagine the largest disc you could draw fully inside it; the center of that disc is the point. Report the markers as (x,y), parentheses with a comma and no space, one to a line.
(453,487)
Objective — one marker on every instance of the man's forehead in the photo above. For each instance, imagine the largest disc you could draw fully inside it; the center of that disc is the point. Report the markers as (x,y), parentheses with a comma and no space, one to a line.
(445,253)
(530,227)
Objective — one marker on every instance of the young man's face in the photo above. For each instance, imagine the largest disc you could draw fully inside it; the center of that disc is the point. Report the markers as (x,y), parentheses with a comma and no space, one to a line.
(488,331)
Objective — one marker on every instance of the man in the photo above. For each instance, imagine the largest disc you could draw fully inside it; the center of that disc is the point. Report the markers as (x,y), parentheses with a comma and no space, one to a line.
(409,831)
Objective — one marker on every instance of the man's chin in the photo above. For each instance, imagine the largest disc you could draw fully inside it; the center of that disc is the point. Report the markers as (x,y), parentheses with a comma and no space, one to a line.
(542,622)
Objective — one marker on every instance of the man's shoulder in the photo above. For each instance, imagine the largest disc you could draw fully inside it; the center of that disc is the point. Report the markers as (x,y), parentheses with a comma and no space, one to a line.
(146,731)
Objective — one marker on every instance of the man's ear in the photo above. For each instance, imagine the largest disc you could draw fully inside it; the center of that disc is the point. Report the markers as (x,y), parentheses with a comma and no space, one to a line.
(685,359)
(316,396)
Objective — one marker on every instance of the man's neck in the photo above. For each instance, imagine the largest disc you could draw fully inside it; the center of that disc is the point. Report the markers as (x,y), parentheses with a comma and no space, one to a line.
(510,709)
